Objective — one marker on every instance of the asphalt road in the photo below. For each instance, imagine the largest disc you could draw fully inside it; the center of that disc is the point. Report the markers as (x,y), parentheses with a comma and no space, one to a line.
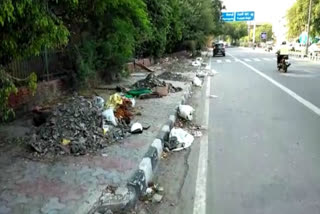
(263,136)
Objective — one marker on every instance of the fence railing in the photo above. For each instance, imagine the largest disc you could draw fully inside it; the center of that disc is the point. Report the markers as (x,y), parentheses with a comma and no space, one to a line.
(47,66)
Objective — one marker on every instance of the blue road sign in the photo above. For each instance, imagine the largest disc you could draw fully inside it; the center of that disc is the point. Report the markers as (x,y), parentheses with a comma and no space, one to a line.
(227,16)
(245,16)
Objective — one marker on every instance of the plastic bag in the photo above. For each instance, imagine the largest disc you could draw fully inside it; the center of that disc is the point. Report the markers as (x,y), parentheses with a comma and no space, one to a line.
(184,139)
(196,63)
(133,101)
(136,128)
(186,112)
(197,82)
(99,102)
(109,116)
(114,101)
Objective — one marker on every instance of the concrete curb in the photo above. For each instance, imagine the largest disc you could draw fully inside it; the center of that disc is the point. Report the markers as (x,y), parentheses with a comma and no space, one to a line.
(152,158)
(138,183)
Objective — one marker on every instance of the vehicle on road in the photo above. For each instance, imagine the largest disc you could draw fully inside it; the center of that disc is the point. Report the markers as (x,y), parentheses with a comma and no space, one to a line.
(219,49)
(283,62)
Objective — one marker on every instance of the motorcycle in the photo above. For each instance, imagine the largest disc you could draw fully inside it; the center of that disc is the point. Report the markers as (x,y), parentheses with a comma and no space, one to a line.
(283,62)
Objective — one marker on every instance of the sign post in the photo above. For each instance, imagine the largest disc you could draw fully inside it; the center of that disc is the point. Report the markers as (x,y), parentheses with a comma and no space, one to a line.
(227,16)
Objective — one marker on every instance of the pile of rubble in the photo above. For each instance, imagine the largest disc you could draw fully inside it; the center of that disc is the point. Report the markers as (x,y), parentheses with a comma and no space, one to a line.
(173,76)
(152,81)
(75,127)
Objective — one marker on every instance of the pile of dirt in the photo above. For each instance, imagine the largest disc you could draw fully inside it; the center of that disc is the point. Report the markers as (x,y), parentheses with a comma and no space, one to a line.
(152,81)
(74,127)
(173,76)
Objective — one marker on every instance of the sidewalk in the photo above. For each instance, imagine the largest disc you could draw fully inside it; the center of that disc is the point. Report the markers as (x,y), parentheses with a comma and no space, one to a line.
(68,184)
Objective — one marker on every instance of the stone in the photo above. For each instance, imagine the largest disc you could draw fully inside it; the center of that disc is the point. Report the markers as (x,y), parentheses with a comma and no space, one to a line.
(122,191)
(157,198)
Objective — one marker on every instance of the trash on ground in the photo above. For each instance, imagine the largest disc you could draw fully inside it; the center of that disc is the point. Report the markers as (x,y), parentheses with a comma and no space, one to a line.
(76,127)
(173,76)
(157,198)
(199,59)
(196,63)
(149,191)
(151,82)
(136,128)
(213,96)
(183,138)
(114,101)
(99,102)
(197,134)
(144,67)
(149,96)
(123,112)
(186,112)
(108,115)
(197,82)
(162,90)
(212,73)
(201,74)
(139,92)
(65,142)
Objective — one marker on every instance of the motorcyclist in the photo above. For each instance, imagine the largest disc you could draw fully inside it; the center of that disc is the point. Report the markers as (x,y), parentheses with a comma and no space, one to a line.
(283,52)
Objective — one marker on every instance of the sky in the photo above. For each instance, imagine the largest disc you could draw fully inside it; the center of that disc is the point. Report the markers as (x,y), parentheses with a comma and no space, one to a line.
(265,10)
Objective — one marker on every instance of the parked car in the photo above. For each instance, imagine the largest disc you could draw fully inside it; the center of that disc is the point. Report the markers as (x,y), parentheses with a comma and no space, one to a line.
(219,49)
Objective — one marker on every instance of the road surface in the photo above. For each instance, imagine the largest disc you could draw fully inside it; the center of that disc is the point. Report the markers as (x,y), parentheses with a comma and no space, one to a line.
(261,151)
(264,136)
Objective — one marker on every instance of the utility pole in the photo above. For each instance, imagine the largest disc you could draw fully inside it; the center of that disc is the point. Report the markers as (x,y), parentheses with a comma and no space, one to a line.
(309,20)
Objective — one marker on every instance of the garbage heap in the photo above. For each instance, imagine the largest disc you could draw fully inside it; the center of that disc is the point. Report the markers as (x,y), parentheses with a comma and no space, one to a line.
(75,127)
(167,75)
(152,82)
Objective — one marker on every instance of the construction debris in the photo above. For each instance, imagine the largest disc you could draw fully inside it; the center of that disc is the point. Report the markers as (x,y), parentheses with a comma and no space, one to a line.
(173,76)
(74,127)
(152,81)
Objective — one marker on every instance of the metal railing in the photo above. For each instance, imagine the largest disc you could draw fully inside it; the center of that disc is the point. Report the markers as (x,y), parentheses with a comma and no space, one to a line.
(47,66)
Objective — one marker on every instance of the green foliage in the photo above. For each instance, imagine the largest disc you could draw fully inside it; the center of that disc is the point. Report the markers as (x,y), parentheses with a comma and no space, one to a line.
(236,31)
(27,26)
(297,17)
(201,18)
(265,28)
(8,87)
(102,35)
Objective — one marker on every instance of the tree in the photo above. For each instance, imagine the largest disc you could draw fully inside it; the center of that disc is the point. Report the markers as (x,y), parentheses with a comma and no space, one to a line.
(27,26)
(265,28)
(236,30)
(297,17)
(201,18)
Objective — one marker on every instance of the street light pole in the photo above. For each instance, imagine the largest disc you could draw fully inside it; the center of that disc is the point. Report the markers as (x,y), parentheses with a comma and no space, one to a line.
(309,20)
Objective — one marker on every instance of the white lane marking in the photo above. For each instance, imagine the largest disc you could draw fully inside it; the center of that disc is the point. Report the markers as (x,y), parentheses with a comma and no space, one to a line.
(219,61)
(200,198)
(303,101)
(267,59)
(247,60)
(256,59)
(228,60)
